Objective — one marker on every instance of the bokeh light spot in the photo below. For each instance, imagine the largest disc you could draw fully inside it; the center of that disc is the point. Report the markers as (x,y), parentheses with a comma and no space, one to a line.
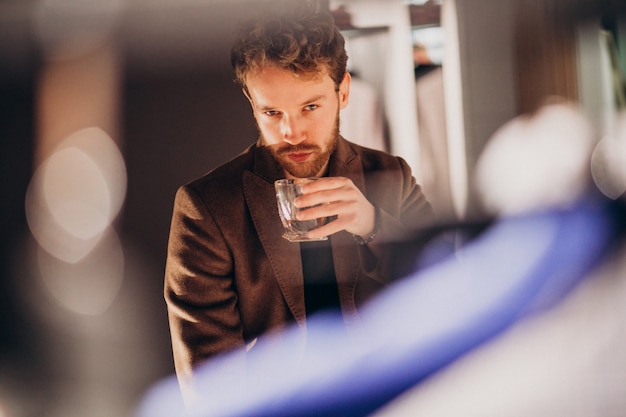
(76,194)
(536,161)
(71,204)
(608,162)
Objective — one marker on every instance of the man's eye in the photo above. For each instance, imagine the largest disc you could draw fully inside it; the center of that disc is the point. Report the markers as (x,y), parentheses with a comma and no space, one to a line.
(272,113)
(310,107)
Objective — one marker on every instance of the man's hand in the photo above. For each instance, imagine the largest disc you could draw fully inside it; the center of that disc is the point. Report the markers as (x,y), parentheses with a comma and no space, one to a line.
(336,196)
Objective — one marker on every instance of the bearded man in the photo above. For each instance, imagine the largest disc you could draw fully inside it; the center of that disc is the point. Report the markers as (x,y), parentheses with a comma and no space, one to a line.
(230,276)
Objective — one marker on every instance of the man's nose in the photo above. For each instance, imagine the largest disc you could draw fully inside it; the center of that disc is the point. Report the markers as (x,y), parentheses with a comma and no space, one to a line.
(292,130)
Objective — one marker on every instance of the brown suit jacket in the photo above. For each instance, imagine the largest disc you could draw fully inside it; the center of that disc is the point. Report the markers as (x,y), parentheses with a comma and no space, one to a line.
(230,276)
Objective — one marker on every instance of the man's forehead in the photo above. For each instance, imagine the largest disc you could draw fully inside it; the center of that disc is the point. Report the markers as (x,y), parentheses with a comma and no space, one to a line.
(261,70)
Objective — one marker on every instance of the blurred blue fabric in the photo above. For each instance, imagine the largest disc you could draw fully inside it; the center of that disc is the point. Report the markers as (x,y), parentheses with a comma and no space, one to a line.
(518,266)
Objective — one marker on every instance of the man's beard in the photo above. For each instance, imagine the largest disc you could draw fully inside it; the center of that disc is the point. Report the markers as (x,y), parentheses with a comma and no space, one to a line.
(317,161)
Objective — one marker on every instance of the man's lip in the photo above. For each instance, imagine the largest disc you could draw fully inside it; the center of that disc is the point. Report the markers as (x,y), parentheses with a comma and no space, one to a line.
(299,156)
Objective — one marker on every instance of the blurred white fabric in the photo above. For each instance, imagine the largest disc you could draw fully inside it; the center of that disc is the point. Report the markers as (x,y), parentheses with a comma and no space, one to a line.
(362,121)
(536,161)
(566,362)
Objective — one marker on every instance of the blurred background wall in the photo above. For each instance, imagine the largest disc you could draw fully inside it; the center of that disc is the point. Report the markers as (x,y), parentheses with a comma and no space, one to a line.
(127,100)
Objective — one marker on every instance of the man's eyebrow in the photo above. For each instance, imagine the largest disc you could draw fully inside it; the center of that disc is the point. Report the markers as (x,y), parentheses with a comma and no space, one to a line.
(264,108)
(314,99)
(320,97)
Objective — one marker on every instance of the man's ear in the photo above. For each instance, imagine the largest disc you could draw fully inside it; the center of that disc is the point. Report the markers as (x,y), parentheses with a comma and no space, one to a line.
(344,90)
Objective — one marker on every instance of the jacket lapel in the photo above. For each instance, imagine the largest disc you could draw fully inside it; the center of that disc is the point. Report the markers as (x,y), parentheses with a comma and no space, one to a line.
(284,256)
(345,163)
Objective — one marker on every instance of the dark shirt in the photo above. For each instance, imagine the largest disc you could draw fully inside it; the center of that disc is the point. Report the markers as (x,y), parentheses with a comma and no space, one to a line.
(320,283)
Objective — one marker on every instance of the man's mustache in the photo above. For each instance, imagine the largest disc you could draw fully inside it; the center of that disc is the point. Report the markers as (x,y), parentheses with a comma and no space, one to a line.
(283,150)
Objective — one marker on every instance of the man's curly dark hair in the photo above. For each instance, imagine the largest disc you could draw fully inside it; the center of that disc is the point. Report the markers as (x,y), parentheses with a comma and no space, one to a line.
(305,44)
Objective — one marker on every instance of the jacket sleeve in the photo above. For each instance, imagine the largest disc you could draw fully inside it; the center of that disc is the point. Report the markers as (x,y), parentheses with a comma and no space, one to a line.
(403,211)
(415,212)
(199,286)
